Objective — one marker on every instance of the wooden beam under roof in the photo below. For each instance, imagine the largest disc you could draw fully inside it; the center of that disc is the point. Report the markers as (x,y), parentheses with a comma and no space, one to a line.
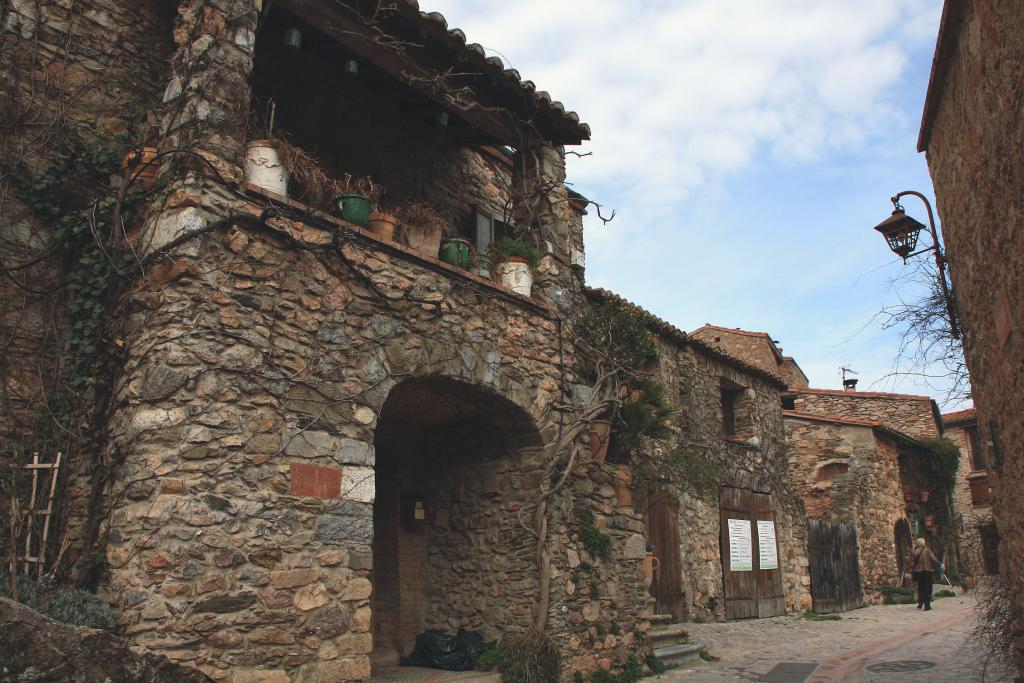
(343,24)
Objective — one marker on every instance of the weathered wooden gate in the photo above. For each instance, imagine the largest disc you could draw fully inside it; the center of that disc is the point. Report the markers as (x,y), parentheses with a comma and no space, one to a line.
(835,570)
(751,571)
(663,534)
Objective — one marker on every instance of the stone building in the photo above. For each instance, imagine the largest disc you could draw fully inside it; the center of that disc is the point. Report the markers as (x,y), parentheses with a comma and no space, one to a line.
(916,416)
(860,472)
(729,417)
(311,442)
(979,539)
(756,348)
(973,134)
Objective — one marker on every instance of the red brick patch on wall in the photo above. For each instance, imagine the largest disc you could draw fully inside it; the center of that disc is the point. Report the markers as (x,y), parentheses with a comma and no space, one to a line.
(315,481)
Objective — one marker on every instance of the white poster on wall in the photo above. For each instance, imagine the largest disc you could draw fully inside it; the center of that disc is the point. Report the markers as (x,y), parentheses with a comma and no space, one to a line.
(741,556)
(768,554)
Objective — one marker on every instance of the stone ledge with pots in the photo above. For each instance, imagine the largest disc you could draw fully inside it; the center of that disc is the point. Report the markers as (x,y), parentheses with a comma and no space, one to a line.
(394,247)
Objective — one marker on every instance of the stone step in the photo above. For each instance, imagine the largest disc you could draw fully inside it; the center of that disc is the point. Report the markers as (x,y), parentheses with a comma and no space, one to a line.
(670,634)
(678,654)
(660,619)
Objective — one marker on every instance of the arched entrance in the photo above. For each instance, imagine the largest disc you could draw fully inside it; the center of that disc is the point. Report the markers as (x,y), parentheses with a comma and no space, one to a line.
(454,463)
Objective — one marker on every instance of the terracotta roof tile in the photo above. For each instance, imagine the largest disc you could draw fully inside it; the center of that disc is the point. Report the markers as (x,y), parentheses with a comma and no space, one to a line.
(864,394)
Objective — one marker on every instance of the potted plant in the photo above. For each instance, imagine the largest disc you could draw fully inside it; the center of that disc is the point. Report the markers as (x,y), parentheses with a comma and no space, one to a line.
(262,164)
(383,224)
(456,251)
(354,197)
(514,265)
(307,180)
(137,166)
(481,264)
(422,226)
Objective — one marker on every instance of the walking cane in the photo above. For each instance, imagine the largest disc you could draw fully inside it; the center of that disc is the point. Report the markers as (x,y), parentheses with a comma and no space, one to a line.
(949,583)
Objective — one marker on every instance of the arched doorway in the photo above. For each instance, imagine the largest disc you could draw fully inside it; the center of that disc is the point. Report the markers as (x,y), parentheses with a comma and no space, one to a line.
(454,463)
(904,539)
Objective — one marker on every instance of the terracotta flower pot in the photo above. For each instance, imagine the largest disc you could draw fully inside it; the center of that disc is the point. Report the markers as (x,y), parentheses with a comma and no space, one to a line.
(969,582)
(383,225)
(600,435)
(924,496)
(623,491)
(138,164)
(426,240)
(647,568)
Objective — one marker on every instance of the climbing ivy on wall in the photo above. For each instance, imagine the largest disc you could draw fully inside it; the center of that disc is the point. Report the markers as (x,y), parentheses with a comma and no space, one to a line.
(71,196)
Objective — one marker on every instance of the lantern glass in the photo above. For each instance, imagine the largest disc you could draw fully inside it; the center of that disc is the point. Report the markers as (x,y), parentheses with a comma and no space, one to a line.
(900,232)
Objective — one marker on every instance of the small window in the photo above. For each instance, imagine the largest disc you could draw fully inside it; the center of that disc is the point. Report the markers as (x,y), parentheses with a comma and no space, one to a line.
(977,455)
(789,402)
(981,494)
(732,394)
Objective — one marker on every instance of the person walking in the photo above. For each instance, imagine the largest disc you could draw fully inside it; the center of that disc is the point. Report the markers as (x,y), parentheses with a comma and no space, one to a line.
(922,563)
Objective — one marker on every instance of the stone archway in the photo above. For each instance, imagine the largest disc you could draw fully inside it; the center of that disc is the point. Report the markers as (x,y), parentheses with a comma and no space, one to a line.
(454,463)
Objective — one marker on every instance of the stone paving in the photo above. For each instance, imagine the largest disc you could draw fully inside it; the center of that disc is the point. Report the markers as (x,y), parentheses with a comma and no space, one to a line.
(881,644)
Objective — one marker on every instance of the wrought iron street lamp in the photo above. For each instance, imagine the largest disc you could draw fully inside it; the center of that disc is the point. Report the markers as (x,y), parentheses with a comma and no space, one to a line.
(901,232)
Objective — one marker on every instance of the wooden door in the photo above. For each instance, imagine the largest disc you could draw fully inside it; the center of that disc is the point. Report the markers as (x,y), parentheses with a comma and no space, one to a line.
(751,561)
(663,534)
(904,541)
(834,565)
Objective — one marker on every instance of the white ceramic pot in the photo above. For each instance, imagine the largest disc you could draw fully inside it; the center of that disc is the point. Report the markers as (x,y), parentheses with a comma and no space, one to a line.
(514,273)
(263,167)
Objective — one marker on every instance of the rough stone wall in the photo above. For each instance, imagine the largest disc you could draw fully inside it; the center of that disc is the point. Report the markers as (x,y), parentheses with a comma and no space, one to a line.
(246,357)
(88,71)
(977,166)
(868,494)
(693,381)
(792,374)
(912,415)
(753,347)
(972,517)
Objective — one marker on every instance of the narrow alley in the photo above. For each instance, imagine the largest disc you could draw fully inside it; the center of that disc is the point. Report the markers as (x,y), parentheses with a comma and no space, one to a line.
(880,644)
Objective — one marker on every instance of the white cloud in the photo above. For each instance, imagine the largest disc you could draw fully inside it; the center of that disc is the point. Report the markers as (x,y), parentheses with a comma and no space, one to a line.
(685,96)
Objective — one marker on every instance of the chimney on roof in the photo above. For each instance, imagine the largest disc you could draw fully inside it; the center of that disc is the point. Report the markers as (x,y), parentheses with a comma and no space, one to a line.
(849,385)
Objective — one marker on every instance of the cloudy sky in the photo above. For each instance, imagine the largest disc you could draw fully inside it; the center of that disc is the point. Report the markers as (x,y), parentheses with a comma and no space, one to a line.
(748,147)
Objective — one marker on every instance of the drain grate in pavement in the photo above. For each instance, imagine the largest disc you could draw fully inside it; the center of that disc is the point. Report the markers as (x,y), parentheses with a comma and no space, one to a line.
(789,672)
(904,666)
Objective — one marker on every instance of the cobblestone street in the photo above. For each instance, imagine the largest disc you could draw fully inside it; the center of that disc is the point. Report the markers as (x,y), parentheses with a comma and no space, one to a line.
(882,644)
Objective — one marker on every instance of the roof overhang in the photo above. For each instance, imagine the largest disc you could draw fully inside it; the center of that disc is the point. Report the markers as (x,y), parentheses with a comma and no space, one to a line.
(418,49)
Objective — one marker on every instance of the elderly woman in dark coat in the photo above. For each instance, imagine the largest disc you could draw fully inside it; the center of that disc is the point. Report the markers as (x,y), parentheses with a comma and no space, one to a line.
(922,563)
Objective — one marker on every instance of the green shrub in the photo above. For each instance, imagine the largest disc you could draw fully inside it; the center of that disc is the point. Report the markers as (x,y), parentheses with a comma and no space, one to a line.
(594,541)
(74,607)
(897,595)
(525,658)
(508,246)
(631,672)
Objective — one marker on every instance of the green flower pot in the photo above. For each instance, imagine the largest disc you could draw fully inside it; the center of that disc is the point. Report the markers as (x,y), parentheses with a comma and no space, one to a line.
(484,266)
(353,208)
(455,250)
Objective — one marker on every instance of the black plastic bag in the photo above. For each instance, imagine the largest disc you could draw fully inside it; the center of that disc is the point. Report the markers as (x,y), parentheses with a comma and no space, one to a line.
(439,650)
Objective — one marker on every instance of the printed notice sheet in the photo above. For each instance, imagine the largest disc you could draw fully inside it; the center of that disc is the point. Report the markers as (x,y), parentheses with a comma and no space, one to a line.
(768,555)
(740,546)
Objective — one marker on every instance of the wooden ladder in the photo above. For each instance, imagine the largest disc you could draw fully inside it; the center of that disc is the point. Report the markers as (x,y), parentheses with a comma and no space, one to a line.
(34,537)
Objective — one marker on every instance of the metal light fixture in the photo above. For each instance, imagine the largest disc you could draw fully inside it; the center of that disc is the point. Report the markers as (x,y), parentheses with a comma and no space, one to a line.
(440,119)
(901,233)
(293,40)
(352,68)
